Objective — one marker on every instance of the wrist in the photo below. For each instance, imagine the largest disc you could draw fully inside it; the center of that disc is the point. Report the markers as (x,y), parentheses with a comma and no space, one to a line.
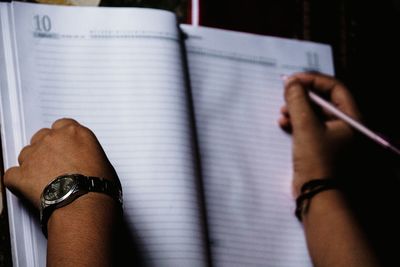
(88,211)
(324,206)
(310,190)
(90,225)
(300,181)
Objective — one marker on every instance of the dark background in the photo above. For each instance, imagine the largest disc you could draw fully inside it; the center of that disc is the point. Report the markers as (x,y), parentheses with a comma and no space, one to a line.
(364,38)
(366,47)
(363,34)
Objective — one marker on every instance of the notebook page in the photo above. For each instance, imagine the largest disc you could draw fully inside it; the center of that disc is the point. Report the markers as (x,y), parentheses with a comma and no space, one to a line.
(21,243)
(119,72)
(245,156)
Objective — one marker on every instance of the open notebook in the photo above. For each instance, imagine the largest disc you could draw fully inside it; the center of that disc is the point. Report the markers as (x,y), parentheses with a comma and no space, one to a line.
(187,115)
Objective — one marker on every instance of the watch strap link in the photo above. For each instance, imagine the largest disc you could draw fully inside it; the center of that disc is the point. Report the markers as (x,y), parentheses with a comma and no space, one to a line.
(105,186)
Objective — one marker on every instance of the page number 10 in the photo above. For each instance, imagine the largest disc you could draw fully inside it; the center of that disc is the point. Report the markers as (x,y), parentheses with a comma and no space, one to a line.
(42,23)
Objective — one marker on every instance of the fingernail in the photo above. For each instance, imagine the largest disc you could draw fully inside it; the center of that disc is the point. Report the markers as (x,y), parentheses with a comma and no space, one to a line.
(284,77)
(288,79)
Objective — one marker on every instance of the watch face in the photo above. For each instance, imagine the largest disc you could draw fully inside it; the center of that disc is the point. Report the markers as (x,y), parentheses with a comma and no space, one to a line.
(59,188)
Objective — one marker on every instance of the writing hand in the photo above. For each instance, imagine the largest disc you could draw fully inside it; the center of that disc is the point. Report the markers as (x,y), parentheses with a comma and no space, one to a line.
(317,135)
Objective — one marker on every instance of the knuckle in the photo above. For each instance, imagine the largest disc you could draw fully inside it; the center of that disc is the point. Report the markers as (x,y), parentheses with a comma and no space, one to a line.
(21,156)
(85,131)
(294,92)
(8,176)
(64,122)
(43,131)
(24,154)
(72,128)
(79,131)
(48,138)
(70,121)
(39,135)
(67,133)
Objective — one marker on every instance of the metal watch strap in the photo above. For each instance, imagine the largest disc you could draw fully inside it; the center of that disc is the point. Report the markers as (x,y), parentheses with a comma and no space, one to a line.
(85,184)
(101,185)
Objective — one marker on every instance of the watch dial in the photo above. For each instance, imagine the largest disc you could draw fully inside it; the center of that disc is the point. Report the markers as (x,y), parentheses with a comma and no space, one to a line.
(59,188)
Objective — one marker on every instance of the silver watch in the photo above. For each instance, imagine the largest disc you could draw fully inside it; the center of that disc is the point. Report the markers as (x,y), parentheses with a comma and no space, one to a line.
(66,188)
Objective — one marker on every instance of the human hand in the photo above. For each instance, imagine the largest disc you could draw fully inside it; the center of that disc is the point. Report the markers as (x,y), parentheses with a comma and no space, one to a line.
(318,137)
(67,147)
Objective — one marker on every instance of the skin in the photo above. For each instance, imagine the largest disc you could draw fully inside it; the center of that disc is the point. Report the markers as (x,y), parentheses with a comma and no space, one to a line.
(333,235)
(81,233)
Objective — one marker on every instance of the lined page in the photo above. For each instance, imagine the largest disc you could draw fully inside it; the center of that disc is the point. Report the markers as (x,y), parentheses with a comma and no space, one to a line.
(245,156)
(119,72)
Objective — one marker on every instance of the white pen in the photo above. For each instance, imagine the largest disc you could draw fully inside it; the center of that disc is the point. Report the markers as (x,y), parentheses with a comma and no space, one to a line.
(352,122)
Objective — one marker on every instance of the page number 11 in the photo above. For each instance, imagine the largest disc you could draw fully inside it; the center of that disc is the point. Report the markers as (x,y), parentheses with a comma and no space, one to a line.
(42,23)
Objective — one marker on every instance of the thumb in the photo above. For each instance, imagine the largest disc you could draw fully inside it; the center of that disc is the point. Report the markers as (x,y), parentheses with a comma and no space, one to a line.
(302,115)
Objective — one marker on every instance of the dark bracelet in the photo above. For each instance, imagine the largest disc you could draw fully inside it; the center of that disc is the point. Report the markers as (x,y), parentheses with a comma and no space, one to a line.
(310,189)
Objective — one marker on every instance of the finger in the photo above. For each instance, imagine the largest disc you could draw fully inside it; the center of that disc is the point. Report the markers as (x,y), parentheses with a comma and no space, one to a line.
(338,93)
(63,122)
(285,124)
(340,131)
(12,178)
(322,82)
(285,111)
(327,115)
(40,135)
(25,152)
(302,116)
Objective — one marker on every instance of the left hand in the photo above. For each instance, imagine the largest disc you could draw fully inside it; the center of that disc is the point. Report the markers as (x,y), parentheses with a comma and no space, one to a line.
(67,147)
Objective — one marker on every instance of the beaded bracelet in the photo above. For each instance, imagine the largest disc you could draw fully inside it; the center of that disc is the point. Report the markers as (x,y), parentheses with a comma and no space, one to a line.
(310,189)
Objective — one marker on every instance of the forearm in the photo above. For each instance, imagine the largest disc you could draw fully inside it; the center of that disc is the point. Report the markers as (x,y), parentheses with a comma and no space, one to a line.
(333,235)
(82,233)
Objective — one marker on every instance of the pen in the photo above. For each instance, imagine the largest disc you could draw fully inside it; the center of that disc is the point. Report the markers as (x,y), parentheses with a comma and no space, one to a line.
(355,124)
(352,122)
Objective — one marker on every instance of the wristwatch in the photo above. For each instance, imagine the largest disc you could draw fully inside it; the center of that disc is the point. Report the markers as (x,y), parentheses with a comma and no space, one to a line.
(68,187)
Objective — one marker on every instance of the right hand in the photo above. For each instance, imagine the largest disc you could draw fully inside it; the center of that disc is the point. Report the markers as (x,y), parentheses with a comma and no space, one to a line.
(317,140)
